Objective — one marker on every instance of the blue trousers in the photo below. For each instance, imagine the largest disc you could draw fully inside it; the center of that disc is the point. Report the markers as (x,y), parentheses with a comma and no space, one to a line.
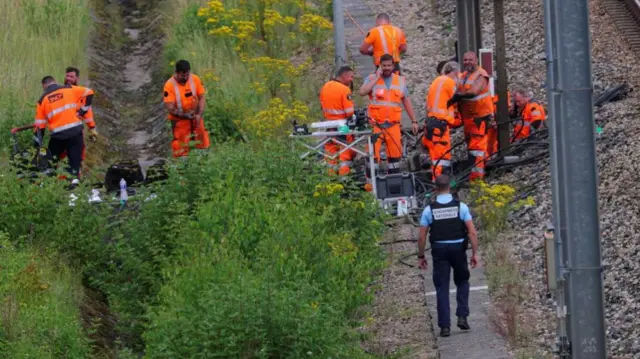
(446,256)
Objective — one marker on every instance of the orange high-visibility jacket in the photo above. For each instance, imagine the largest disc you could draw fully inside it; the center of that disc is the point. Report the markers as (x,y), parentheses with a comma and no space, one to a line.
(480,105)
(385,39)
(385,104)
(184,96)
(58,108)
(531,113)
(440,92)
(88,117)
(335,99)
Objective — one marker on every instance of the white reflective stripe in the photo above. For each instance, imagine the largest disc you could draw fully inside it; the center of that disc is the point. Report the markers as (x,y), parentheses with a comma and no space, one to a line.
(476,153)
(338,112)
(385,103)
(61,109)
(393,165)
(88,120)
(527,124)
(437,99)
(477,170)
(67,126)
(385,48)
(480,97)
(40,122)
(345,164)
(176,89)
(334,112)
(445,163)
(86,92)
(535,113)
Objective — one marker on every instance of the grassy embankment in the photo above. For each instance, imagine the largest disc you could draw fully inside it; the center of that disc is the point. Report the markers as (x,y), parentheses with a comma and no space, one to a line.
(39,298)
(246,251)
(493,204)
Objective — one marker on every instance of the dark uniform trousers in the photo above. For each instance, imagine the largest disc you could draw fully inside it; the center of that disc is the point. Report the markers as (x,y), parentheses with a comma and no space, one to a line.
(446,256)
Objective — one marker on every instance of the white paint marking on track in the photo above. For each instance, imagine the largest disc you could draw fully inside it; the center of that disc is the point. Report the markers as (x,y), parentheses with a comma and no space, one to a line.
(472,289)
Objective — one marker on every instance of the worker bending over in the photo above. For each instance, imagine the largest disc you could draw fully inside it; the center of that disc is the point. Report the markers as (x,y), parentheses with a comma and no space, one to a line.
(184,98)
(450,225)
(531,117)
(337,104)
(476,108)
(441,116)
(384,39)
(71,79)
(61,109)
(387,93)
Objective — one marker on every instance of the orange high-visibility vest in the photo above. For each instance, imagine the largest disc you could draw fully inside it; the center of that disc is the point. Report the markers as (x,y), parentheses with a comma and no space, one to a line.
(385,104)
(385,39)
(440,92)
(88,117)
(58,108)
(532,112)
(482,104)
(185,97)
(336,102)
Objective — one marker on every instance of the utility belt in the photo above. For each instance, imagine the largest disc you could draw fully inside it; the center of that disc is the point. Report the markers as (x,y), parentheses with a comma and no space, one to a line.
(433,124)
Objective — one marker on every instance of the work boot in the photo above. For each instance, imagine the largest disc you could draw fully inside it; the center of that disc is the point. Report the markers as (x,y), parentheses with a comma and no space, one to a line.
(445,332)
(462,323)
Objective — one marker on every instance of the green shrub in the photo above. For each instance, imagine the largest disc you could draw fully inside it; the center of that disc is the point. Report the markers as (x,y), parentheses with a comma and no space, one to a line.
(39,317)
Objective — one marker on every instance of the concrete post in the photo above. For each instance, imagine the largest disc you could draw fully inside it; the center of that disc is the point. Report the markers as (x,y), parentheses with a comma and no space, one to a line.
(338,34)
(501,72)
(578,183)
(469,27)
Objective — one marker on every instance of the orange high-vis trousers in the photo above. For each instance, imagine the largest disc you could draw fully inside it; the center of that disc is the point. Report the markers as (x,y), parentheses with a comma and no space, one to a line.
(392,138)
(345,159)
(185,131)
(439,147)
(478,144)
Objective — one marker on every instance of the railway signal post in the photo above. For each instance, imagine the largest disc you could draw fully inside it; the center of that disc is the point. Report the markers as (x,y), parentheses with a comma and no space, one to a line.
(581,331)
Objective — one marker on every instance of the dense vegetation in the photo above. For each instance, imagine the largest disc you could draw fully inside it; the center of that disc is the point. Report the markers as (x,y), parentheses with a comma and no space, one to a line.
(245,251)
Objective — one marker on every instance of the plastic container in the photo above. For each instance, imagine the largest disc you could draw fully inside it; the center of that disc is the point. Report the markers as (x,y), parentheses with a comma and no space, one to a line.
(123,190)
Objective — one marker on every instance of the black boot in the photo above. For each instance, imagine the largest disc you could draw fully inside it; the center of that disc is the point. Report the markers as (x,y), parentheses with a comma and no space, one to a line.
(445,332)
(463,324)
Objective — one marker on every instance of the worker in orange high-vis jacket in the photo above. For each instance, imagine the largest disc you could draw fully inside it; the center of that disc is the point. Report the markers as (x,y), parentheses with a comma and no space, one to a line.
(441,116)
(531,116)
(59,108)
(71,79)
(477,112)
(184,98)
(337,104)
(387,93)
(385,39)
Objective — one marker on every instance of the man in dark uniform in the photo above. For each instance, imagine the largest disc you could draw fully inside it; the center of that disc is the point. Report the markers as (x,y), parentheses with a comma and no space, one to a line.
(451,225)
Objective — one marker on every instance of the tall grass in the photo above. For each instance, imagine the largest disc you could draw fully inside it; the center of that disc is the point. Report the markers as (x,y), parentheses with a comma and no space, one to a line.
(270,50)
(37,38)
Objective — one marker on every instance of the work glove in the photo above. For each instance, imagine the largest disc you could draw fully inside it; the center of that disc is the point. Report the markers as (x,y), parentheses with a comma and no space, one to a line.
(93,134)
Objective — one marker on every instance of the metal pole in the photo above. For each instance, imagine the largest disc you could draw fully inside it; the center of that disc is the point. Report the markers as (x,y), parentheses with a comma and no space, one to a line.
(555,137)
(338,34)
(501,72)
(468,26)
(579,181)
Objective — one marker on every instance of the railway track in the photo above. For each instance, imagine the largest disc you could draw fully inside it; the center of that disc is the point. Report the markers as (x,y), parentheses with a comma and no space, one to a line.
(626,15)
